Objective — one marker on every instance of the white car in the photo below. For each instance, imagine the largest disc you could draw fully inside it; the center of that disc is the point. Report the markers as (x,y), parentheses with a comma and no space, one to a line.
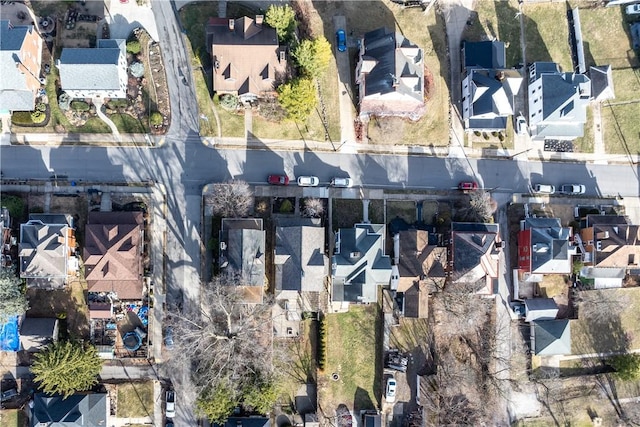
(342,182)
(632,9)
(544,189)
(170,412)
(573,189)
(390,391)
(521,126)
(308,181)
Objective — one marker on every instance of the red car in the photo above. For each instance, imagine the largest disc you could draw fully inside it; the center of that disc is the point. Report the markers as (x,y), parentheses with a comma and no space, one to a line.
(468,186)
(278,180)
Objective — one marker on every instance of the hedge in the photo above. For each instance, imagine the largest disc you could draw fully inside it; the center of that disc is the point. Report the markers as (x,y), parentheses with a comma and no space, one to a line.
(80,106)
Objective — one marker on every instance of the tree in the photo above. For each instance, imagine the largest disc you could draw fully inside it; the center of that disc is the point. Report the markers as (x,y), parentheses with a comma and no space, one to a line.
(313,56)
(313,208)
(66,367)
(479,209)
(232,199)
(217,403)
(260,396)
(155,119)
(283,19)
(13,301)
(627,366)
(133,47)
(298,98)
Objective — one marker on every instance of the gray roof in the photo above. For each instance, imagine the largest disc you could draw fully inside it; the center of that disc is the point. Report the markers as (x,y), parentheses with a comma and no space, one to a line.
(245,241)
(36,333)
(540,309)
(53,218)
(76,410)
(601,82)
(552,337)
(43,250)
(360,264)
(92,68)
(14,92)
(299,259)
(550,246)
(490,97)
(471,241)
(485,54)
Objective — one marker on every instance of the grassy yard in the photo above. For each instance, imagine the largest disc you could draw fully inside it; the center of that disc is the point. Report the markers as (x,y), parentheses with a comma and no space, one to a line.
(353,353)
(585,143)
(346,212)
(622,128)
(70,303)
(127,124)
(300,366)
(404,209)
(135,400)
(547,33)
(11,418)
(376,211)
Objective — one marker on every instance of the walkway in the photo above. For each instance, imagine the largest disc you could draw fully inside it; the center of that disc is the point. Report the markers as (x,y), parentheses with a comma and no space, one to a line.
(598,140)
(347,129)
(98,102)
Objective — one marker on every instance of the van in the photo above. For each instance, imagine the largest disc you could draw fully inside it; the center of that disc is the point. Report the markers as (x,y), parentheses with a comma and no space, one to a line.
(544,189)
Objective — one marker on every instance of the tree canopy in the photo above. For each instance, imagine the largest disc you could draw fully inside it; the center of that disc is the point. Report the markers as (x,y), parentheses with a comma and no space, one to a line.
(232,199)
(13,301)
(66,367)
(283,19)
(298,98)
(217,403)
(313,56)
(627,366)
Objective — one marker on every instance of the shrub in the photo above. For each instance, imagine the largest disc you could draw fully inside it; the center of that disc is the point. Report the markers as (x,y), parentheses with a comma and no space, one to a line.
(286,206)
(137,69)
(155,119)
(476,132)
(79,106)
(63,101)
(41,106)
(38,117)
(117,103)
(322,348)
(15,205)
(230,102)
(133,47)
(21,118)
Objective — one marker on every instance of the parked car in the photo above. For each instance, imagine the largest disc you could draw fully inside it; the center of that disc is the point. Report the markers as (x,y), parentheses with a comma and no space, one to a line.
(341,40)
(468,186)
(170,411)
(573,189)
(308,181)
(390,391)
(632,9)
(544,189)
(278,180)
(342,182)
(168,338)
(521,126)
(8,395)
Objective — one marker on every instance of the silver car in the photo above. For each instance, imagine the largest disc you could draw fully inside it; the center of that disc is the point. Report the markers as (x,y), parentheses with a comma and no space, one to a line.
(342,182)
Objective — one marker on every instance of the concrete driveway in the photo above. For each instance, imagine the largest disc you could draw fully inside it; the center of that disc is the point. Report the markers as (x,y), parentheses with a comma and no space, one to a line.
(347,130)
(124,17)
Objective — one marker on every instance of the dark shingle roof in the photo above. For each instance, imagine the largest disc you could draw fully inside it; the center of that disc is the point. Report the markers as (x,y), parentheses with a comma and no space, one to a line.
(552,337)
(77,410)
(485,54)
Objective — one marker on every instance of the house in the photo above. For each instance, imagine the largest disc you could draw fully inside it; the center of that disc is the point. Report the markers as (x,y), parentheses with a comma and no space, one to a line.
(489,88)
(551,337)
(77,410)
(601,83)
(545,246)
(390,76)
(37,333)
(20,62)
(113,253)
(247,59)
(557,102)
(359,265)
(99,72)
(474,256)
(242,251)
(300,270)
(611,242)
(47,251)
(540,309)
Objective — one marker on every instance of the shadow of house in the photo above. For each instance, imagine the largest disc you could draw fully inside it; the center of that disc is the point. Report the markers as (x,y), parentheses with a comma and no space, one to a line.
(362,401)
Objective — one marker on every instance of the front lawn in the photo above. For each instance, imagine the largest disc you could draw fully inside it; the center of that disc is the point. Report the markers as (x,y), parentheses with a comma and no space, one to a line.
(346,213)
(135,400)
(404,209)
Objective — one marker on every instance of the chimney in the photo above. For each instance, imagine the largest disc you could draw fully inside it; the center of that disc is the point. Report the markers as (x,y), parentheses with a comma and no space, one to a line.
(259,19)
(232,24)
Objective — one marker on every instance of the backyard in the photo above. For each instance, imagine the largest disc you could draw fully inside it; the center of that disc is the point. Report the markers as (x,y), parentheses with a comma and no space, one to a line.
(135,400)
(354,354)
(12,418)
(298,367)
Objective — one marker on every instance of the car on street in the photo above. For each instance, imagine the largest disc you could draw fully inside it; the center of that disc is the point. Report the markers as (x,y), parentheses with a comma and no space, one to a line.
(341,40)
(342,182)
(168,338)
(278,180)
(632,9)
(390,390)
(308,181)
(573,189)
(544,189)
(170,411)
(521,126)
(468,186)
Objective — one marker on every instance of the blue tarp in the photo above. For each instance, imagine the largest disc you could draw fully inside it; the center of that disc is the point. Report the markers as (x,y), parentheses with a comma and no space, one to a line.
(9,337)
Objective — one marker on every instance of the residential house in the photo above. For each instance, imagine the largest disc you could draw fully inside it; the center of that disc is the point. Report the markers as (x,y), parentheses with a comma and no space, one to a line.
(474,256)
(540,309)
(20,62)
(47,251)
(300,271)
(113,253)
(390,76)
(242,252)
(557,102)
(545,246)
(421,268)
(247,59)
(37,333)
(601,83)
(489,88)
(99,72)
(611,242)
(359,265)
(551,337)
(77,410)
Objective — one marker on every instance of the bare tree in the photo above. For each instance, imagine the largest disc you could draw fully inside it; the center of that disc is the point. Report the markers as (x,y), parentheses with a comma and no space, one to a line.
(232,199)
(480,208)
(313,208)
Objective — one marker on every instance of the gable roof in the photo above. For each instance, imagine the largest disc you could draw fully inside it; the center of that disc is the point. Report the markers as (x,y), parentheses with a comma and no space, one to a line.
(77,410)
(246,58)
(245,252)
(359,264)
(551,337)
(419,257)
(113,253)
(474,254)
(601,82)
(299,259)
(484,54)
(15,93)
(544,246)
(390,74)
(44,251)
(616,245)
(93,68)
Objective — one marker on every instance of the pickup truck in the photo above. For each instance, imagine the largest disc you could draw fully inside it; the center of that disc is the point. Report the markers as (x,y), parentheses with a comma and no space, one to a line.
(573,189)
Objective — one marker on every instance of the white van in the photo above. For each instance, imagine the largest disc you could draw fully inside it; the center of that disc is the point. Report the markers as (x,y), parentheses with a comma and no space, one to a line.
(544,189)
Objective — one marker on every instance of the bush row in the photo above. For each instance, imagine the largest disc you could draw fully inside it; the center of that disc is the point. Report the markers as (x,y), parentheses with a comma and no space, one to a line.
(323,341)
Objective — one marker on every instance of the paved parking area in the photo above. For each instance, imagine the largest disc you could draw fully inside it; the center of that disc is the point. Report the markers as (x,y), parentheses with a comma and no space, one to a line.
(124,17)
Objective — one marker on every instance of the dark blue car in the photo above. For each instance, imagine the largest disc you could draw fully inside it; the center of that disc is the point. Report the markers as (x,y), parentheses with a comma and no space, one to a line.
(341,40)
